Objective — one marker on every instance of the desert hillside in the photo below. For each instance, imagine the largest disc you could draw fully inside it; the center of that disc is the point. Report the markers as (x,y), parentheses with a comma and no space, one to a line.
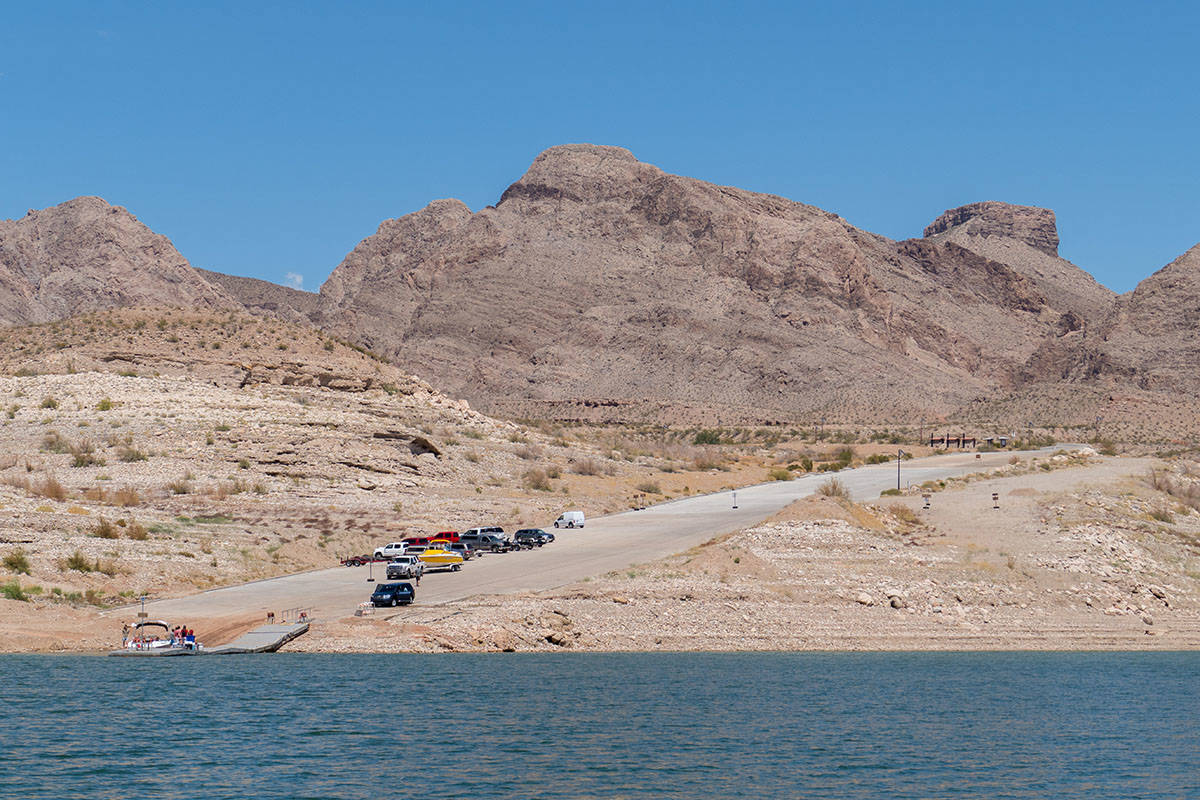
(164,451)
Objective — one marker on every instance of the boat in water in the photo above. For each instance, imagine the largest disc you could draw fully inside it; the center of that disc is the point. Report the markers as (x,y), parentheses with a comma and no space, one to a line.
(156,637)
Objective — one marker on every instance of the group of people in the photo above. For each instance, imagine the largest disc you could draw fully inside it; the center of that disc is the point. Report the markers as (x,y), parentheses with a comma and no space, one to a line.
(182,636)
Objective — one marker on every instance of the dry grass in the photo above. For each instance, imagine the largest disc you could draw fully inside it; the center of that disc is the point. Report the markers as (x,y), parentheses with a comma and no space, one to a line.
(106,530)
(49,488)
(833,488)
(904,513)
(538,480)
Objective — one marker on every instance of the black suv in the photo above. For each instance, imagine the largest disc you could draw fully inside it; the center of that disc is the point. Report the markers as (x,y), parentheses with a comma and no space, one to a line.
(393,594)
(531,537)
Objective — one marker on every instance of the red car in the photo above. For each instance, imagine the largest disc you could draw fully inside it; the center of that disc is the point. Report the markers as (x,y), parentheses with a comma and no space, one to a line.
(450,536)
(412,540)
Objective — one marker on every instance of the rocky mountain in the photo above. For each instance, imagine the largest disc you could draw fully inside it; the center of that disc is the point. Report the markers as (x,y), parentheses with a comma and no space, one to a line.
(600,286)
(85,255)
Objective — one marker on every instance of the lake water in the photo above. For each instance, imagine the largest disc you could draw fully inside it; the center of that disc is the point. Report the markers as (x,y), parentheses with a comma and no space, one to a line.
(875,725)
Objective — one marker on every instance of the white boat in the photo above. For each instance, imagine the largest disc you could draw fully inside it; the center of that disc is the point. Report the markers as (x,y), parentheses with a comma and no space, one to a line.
(155,636)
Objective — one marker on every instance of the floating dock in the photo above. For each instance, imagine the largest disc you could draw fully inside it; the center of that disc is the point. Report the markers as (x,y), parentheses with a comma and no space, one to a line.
(263,639)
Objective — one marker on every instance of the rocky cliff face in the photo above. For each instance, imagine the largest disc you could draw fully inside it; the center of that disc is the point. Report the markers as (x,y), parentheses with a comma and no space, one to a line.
(601,282)
(85,255)
(1025,239)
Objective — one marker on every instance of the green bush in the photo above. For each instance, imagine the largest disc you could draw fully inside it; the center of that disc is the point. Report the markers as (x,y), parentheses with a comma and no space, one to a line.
(78,561)
(779,474)
(17,562)
(707,437)
(12,590)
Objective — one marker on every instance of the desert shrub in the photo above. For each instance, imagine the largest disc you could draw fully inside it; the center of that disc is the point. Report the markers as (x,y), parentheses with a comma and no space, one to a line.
(586,466)
(50,488)
(55,442)
(104,405)
(538,479)
(17,562)
(904,514)
(134,530)
(126,496)
(890,493)
(224,426)
(260,488)
(844,455)
(528,452)
(13,591)
(180,486)
(243,463)
(703,463)
(471,433)
(648,487)
(1014,459)
(707,437)
(878,458)
(471,456)
(131,454)
(49,402)
(1162,515)
(779,474)
(106,530)
(553,471)
(84,454)
(1105,447)
(833,488)
(78,562)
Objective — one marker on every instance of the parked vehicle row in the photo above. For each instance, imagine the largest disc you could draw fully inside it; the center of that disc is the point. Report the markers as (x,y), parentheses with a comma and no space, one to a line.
(410,558)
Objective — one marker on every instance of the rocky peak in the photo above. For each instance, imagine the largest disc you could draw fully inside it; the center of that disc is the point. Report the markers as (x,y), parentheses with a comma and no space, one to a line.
(1034,226)
(580,173)
(86,254)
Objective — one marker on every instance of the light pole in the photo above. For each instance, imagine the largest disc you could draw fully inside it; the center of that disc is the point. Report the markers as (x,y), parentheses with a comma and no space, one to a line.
(899,458)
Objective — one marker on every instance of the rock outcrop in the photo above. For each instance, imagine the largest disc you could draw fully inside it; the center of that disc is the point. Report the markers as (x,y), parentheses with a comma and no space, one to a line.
(1025,239)
(1034,226)
(87,255)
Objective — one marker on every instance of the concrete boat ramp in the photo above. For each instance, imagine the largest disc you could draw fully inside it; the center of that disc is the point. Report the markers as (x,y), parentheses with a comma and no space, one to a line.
(263,639)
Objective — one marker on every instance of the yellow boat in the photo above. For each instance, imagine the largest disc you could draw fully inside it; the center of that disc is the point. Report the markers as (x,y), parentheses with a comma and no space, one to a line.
(435,556)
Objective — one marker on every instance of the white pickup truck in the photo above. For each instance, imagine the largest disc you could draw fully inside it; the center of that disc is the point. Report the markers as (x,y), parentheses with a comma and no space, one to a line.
(391,549)
(409,567)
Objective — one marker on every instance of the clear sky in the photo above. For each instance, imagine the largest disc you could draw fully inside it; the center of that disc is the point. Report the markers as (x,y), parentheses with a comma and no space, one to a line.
(268,139)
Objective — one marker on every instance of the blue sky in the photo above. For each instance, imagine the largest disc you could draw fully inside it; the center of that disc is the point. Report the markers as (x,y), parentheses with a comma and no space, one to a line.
(268,139)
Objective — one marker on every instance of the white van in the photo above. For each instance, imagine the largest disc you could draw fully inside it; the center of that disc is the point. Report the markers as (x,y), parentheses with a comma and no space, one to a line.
(570,519)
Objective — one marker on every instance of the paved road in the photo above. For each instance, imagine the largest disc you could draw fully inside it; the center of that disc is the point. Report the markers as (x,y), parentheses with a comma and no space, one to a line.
(606,544)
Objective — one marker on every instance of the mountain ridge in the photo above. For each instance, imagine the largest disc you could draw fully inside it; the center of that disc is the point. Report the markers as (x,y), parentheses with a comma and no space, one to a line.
(600,285)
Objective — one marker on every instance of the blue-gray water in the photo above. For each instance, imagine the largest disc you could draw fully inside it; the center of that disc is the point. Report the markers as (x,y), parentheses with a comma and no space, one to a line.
(602,726)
